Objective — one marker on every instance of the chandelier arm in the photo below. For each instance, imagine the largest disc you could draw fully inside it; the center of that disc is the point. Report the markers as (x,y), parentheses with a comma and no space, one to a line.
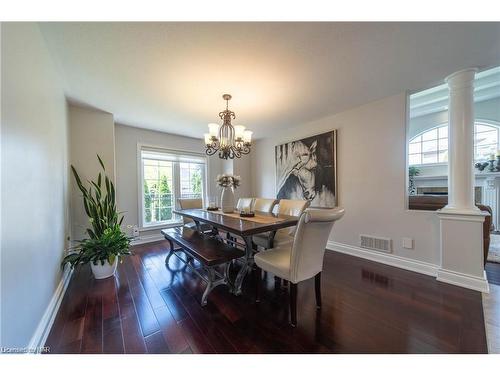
(245,149)
(210,150)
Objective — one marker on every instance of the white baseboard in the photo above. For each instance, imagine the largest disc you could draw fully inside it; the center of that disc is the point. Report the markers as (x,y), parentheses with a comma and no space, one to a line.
(466,281)
(446,276)
(141,240)
(43,329)
(391,260)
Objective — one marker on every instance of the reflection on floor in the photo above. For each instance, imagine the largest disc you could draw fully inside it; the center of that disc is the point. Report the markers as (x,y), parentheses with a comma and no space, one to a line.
(367,308)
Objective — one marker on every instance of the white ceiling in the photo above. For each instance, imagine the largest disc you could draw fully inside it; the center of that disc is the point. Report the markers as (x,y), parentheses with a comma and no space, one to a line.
(170,76)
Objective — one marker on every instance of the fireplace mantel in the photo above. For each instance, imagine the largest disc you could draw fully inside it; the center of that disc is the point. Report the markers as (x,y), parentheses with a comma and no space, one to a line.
(489,182)
(481,175)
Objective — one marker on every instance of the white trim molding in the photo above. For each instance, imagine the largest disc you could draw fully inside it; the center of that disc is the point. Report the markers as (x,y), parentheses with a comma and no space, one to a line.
(44,326)
(446,276)
(465,281)
(141,240)
(390,260)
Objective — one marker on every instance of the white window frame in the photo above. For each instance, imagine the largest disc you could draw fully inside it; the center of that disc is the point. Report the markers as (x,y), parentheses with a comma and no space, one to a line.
(476,122)
(175,179)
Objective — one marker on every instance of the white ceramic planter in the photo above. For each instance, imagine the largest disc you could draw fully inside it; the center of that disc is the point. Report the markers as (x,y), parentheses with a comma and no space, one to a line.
(105,271)
(227,200)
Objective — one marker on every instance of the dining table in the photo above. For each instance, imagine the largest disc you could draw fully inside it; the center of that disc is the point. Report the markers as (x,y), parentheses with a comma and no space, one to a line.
(239,226)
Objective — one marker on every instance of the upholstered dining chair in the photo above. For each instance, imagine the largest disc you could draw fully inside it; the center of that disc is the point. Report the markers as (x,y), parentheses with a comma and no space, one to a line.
(264,205)
(303,258)
(281,236)
(243,203)
(189,203)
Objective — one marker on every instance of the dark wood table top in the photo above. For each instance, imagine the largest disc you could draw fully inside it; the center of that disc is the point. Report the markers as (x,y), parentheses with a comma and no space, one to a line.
(241,227)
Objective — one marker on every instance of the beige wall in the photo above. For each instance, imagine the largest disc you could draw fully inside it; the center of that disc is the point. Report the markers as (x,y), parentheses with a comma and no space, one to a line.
(127,139)
(35,220)
(91,132)
(371,176)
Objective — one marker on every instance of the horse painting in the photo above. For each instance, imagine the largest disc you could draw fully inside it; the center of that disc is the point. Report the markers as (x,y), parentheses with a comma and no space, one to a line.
(305,169)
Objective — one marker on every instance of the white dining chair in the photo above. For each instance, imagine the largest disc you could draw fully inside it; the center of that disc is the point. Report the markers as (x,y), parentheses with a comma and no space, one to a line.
(264,204)
(289,207)
(244,203)
(190,203)
(303,258)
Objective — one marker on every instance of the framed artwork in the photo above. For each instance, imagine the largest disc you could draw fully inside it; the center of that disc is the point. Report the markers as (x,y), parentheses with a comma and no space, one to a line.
(307,169)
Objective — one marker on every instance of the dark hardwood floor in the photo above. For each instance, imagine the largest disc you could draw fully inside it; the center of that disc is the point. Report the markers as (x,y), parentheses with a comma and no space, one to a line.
(367,308)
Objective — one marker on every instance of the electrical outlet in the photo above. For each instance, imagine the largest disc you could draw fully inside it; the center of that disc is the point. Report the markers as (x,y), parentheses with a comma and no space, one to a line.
(407,243)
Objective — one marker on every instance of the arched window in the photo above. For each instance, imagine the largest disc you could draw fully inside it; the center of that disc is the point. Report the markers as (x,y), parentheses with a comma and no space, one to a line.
(431,146)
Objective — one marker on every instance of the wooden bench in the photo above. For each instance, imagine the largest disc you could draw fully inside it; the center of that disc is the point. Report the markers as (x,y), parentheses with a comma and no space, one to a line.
(210,252)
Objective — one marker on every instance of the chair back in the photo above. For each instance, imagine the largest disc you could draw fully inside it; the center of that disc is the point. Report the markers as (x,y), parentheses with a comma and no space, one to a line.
(244,203)
(291,207)
(187,203)
(311,237)
(264,205)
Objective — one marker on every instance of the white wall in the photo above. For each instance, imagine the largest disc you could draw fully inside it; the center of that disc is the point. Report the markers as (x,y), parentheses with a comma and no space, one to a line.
(371,176)
(34,181)
(126,139)
(243,167)
(240,167)
(91,132)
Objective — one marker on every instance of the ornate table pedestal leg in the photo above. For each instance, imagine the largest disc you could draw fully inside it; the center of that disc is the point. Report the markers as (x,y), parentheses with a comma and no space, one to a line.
(246,267)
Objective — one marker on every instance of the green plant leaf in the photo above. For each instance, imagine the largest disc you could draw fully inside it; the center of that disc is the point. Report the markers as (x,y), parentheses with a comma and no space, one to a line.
(106,240)
(100,162)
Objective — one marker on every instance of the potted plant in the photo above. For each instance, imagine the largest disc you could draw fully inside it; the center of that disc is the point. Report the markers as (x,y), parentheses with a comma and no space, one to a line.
(107,243)
(228,183)
(412,172)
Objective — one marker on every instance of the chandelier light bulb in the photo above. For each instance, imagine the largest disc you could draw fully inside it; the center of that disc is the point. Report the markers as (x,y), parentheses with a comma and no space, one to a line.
(247,136)
(239,131)
(213,129)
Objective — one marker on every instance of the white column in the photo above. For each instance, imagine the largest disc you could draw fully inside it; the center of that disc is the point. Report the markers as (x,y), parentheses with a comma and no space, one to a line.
(461,222)
(461,141)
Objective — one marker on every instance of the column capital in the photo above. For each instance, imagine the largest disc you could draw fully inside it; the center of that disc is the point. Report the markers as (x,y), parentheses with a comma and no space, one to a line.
(462,78)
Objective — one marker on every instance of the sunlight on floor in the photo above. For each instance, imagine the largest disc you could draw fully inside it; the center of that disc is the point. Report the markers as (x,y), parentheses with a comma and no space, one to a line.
(491,306)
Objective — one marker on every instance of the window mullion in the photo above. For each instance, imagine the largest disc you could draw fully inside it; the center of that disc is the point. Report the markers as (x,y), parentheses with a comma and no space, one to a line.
(176,182)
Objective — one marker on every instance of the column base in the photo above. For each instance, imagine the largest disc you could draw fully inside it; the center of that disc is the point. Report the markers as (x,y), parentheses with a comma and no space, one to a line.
(465,281)
(461,248)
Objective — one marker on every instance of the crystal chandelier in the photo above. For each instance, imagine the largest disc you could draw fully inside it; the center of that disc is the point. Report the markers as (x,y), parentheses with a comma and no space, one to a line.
(230,141)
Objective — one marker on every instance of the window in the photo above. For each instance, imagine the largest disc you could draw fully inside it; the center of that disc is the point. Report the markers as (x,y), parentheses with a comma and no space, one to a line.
(431,146)
(166,176)
(485,141)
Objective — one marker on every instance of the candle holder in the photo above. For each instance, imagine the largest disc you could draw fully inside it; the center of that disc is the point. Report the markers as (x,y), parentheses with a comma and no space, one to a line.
(492,167)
